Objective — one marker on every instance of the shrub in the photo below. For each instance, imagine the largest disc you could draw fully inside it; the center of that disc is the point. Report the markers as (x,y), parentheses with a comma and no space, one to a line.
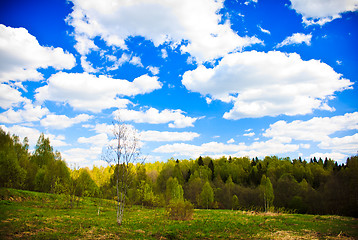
(180,210)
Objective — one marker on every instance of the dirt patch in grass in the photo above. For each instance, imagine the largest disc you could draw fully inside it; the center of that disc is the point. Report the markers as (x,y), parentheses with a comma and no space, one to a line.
(305,234)
(254,213)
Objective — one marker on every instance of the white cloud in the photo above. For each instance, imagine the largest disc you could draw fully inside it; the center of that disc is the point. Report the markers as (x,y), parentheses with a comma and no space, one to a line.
(21,55)
(9,96)
(84,91)
(162,22)
(347,144)
(33,135)
(264,30)
(136,61)
(230,141)
(250,134)
(101,128)
(196,150)
(296,38)
(29,113)
(322,11)
(315,129)
(84,45)
(319,129)
(175,118)
(164,53)
(267,84)
(260,149)
(82,156)
(96,140)
(250,1)
(305,145)
(157,136)
(118,62)
(87,66)
(153,70)
(146,136)
(62,121)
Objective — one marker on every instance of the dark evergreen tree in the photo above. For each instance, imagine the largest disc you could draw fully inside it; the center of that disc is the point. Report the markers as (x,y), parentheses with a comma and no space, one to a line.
(211,167)
(200,161)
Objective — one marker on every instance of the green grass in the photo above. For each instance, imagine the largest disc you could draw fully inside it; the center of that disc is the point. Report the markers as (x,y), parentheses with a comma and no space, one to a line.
(31,215)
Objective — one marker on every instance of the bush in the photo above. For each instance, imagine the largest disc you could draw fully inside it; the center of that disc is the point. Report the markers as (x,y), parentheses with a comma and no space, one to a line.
(180,210)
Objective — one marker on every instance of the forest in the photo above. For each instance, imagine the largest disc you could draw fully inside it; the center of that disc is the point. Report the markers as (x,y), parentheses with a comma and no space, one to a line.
(315,186)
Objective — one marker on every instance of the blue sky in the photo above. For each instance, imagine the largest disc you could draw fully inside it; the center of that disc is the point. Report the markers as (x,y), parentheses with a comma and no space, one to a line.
(211,78)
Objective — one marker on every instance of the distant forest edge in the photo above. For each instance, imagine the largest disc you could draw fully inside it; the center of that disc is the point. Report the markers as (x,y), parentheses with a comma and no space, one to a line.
(269,184)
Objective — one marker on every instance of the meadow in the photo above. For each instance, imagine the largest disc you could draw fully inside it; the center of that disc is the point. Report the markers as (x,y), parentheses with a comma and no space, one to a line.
(33,215)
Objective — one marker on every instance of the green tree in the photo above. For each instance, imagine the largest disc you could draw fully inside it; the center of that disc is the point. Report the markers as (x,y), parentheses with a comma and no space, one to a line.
(206,196)
(174,191)
(11,173)
(212,168)
(235,202)
(177,173)
(200,161)
(43,154)
(85,186)
(267,190)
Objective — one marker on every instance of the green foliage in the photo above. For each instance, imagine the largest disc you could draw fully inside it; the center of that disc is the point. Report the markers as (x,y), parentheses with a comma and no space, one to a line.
(206,196)
(267,191)
(235,203)
(174,191)
(11,173)
(320,186)
(85,186)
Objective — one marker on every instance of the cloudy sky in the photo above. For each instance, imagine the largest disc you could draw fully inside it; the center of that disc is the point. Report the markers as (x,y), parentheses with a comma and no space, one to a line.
(204,77)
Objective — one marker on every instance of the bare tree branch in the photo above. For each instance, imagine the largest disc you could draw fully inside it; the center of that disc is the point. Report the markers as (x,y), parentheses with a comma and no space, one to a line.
(122,151)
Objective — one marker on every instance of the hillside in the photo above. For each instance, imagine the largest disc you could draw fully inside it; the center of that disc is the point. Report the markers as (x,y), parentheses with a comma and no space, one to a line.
(33,215)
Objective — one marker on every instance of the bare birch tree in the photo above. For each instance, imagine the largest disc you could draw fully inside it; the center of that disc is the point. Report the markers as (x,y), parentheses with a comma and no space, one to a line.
(122,151)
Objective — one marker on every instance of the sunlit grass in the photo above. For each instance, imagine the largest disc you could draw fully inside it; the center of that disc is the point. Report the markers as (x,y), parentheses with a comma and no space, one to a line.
(30,215)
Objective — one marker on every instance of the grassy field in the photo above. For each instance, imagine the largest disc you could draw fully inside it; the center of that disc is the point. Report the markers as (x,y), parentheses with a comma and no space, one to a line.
(31,215)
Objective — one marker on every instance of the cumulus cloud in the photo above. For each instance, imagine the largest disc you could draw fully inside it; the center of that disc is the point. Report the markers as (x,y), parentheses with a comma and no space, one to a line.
(315,129)
(9,96)
(136,61)
(267,84)
(82,156)
(84,91)
(62,121)
(197,23)
(96,140)
(29,113)
(153,70)
(250,134)
(322,11)
(165,136)
(296,38)
(347,144)
(259,149)
(21,55)
(320,129)
(175,118)
(33,135)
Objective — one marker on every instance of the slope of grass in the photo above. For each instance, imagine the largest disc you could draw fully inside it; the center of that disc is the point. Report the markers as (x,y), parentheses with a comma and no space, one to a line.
(31,215)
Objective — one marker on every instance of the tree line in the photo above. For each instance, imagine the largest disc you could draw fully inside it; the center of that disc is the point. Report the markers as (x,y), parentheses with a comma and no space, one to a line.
(315,186)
